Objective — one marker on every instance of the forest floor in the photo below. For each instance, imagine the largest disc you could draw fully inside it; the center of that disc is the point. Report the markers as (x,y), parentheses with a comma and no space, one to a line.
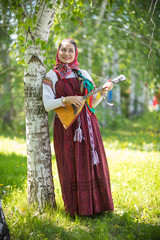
(133,153)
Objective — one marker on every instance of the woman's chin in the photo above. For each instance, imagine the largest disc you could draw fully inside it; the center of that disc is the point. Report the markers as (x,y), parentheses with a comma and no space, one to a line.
(67,61)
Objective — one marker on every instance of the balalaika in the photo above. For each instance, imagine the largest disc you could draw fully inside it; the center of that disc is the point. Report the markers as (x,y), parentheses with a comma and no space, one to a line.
(69,113)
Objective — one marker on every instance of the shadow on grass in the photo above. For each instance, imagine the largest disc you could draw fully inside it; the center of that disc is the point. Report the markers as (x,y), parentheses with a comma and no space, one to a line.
(12,133)
(104,227)
(13,171)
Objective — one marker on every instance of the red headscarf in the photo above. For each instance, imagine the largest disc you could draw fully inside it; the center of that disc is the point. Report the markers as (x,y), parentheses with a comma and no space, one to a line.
(65,69)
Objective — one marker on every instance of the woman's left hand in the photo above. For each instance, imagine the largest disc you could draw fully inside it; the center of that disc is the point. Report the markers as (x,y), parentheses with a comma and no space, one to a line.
(109,87)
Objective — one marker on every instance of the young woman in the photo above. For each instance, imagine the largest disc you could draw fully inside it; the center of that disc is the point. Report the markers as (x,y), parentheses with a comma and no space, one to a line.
(80,155)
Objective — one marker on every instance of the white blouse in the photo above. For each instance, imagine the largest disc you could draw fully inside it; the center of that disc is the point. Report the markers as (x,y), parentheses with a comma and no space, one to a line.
(49,95)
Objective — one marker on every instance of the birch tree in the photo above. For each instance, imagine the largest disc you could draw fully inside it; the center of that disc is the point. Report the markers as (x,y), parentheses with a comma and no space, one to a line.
(132,95)
(34,23)
(141,97)
(40,179)
(117,89)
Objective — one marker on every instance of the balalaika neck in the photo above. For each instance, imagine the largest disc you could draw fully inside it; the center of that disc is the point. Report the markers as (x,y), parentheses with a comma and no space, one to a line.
(116,80)
(93,92)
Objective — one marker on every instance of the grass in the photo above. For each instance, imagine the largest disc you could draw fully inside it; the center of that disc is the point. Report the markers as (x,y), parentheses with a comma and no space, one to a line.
(134,162)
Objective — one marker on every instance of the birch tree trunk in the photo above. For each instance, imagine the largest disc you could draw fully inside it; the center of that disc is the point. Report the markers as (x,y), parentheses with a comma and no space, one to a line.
(105,68)
(89,58)
(7,91)
(117,89)
(132,94)
(40,179)
(91,42)
(141,99)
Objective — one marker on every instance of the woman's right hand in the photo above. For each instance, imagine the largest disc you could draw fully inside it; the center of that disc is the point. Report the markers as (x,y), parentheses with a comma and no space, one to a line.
(75,100)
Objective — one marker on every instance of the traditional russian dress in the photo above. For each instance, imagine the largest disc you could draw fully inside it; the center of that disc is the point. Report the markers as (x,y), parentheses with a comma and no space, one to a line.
(82,164)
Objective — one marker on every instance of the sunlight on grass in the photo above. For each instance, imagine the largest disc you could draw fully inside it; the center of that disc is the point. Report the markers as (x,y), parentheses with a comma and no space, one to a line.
(135,182)
(15,145)
(135,185)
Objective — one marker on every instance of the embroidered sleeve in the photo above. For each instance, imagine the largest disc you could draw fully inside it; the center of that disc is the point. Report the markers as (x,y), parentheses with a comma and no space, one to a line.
(50,79)
(48,82)
(49,94)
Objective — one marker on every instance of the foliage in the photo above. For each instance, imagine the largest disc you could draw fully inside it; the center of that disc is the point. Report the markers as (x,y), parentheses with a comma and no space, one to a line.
(134,181)
(128,28)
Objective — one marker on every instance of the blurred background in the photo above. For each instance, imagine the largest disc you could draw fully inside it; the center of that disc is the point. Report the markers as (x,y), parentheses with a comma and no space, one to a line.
(113,38)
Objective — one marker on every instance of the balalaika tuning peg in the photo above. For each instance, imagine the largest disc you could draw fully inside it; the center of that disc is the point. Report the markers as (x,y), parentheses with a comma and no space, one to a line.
(119,79)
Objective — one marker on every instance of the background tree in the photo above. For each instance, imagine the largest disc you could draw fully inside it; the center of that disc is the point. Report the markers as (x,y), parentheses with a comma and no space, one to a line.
(34,22)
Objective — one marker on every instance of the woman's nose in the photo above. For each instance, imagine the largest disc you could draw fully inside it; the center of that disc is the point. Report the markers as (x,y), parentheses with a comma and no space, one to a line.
(67,52)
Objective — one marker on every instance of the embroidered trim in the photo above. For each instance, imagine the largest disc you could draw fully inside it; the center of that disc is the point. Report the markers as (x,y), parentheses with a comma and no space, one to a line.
(95,158)
(48,82)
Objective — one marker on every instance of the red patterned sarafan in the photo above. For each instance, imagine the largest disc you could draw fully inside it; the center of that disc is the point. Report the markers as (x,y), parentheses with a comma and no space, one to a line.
(85,187)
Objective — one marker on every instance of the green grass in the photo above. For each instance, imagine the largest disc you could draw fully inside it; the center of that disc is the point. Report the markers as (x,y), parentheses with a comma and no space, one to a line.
(134,162)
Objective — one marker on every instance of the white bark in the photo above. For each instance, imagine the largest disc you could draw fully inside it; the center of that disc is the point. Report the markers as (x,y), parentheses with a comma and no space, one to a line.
(132,94)
(98,22)
(89,58)
(40,179)
(141,99)
(116,89)
(106,112)
(102,12)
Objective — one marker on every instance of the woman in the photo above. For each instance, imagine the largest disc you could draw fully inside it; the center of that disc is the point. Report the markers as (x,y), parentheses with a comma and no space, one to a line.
(79,150)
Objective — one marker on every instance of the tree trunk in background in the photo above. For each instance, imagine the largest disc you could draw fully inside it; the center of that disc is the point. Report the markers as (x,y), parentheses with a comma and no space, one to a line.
(116,89)
(7,91)
(106,110)
(141,99)
(40,179)
(91,42)
(132,95)
(89,58)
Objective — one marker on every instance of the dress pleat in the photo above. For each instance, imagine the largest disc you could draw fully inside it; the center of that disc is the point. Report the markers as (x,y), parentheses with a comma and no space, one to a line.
(85,187)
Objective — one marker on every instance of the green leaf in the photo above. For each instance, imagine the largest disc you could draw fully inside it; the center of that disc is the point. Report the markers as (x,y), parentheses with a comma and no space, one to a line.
(34,19)
(29,22)
(71,2)
(14,45)
(37,41)
(43,45)
(23,49)
(57,28)
(30,42)
(50,5)
(20,10)
(21,38)
(120,11)
(18,16)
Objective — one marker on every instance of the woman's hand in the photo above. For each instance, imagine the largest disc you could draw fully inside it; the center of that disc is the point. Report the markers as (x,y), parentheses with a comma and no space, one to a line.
(109,87)
(75,100)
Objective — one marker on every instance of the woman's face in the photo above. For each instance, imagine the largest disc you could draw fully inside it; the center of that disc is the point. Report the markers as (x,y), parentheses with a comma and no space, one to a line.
(66,52)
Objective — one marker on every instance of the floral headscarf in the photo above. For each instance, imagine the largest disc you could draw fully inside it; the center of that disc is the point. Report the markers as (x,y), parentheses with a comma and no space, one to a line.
(65,69)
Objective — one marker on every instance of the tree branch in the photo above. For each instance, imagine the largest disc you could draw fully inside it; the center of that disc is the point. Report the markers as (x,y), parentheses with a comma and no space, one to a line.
(7,69)
(154,26)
